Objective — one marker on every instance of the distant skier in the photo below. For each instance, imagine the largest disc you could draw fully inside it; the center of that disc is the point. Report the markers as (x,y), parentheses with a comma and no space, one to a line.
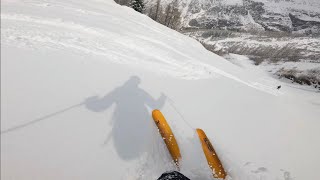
(279,87)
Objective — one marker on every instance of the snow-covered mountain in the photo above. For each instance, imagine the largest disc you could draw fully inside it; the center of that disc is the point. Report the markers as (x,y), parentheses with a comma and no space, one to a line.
(275,33)
(80,78)
(302,16)
(296,58)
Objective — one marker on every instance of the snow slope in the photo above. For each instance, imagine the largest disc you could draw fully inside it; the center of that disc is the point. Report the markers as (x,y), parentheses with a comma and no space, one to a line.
(79,81)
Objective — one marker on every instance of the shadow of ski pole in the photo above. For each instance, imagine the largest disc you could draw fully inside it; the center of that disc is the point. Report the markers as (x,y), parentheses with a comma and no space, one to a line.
(15,128)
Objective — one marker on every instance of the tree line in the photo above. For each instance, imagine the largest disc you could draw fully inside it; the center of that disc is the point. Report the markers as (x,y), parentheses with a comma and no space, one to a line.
(166,14)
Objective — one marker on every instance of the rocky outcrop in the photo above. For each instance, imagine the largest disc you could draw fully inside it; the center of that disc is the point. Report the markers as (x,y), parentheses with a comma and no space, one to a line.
(249,14)
(309,27)
(244,15)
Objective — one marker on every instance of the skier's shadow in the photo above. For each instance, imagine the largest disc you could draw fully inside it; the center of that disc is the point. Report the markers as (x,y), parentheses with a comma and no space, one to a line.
(131,121)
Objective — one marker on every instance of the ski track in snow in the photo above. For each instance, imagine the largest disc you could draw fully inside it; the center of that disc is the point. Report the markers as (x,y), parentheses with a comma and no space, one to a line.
(27,31)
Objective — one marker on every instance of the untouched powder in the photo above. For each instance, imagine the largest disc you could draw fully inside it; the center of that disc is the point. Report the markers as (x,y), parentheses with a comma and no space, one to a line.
(79,81)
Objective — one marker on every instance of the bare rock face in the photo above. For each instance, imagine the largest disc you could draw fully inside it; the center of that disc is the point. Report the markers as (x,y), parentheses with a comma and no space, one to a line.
(308,27)
(220,17)
(253,14)
(290,16)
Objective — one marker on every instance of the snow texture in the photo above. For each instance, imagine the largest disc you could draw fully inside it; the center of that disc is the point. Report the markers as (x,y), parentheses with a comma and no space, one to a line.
(79,80)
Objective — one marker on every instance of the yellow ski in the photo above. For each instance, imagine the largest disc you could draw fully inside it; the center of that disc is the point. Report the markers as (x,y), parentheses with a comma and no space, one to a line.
(167,136)
(211,156)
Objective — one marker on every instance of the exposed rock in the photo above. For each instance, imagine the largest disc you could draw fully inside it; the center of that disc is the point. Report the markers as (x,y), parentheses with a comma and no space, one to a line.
(248,15)
(299,24)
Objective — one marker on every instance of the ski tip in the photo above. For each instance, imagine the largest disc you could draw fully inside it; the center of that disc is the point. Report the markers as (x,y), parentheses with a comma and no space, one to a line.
(200,131)
(156,113)
(211,156)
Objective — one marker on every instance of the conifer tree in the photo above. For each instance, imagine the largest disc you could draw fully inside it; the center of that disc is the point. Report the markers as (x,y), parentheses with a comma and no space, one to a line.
(138,5)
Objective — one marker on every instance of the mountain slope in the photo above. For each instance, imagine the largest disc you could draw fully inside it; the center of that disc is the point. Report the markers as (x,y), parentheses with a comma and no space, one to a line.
(298,16)
(79,80)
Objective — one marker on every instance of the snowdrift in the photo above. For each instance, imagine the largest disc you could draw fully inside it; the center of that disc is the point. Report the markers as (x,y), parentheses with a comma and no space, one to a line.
(79,81)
